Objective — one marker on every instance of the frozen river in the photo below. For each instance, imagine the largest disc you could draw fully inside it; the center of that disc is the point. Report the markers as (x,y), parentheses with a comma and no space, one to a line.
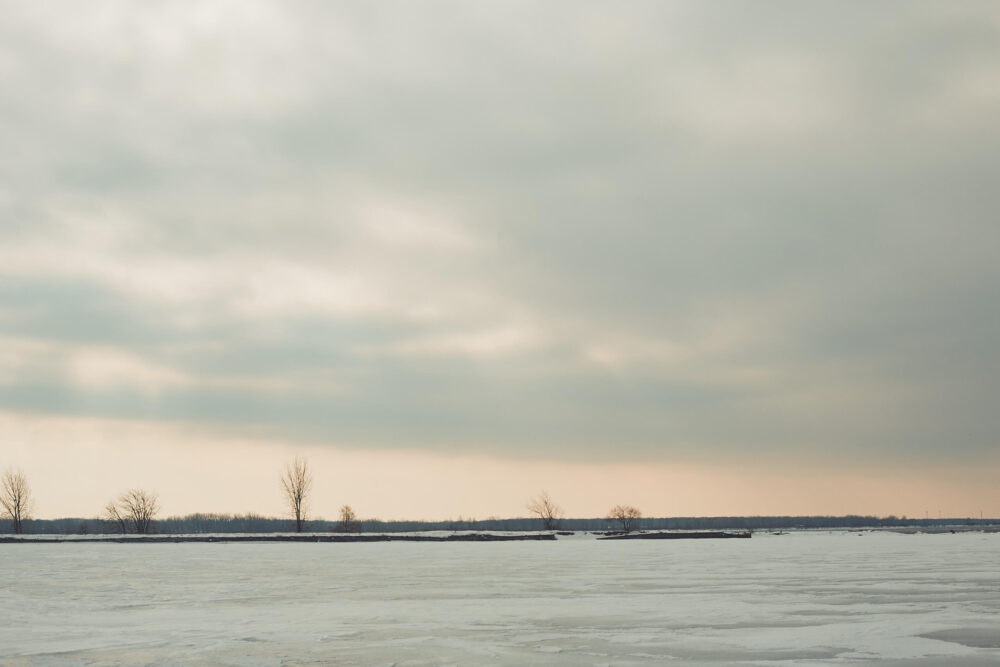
(802,598)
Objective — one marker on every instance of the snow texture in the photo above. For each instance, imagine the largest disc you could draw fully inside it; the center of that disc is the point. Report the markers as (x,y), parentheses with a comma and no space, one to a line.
(804,598)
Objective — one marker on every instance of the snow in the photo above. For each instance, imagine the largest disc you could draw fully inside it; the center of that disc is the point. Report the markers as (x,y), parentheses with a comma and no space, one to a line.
(803,598)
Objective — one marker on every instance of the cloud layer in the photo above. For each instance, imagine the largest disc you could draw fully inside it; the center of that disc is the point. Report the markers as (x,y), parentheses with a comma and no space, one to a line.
(570,231)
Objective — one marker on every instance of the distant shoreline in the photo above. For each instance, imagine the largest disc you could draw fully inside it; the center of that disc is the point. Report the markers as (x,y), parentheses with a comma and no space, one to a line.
(690,535)
(527,536)
(363,537)
(122,539)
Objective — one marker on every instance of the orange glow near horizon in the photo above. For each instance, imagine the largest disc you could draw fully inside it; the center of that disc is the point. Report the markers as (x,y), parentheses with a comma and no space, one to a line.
(76,465)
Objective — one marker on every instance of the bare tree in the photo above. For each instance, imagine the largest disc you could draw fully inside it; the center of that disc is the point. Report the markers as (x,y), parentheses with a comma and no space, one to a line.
(114,517)
(133,511)
(626,516)
(15,498)
(349,522)
(547,510)
(296,483)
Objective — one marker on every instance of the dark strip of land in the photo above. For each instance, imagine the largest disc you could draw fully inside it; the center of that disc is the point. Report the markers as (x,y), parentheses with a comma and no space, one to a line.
(146,539)
(703,535)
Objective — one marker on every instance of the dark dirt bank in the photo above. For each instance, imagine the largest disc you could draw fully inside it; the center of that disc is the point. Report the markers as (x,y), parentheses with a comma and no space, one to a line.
(703,535)
(146,539)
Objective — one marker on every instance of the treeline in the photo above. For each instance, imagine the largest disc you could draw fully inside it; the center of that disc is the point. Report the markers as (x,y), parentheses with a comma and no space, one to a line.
(136,511)
(254,523)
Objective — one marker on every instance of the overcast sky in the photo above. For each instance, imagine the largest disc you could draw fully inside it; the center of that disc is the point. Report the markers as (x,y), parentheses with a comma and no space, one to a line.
(707,240)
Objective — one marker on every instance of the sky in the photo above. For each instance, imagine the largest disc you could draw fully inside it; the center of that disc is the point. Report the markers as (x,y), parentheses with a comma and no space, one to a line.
(703,258)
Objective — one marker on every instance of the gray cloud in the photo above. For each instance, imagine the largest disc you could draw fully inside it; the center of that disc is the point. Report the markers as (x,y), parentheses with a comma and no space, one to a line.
(571,230)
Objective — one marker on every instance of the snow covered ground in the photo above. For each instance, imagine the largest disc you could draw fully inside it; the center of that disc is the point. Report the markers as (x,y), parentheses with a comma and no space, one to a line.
(803,598)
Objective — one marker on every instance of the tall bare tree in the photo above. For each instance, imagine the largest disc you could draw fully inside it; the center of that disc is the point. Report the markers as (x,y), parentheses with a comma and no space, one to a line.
(625,516)
(133,511)
(15,498)
(296,482)
(546,509)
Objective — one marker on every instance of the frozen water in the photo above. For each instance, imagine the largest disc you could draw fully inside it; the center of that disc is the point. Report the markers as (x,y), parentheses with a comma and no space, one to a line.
(803,598)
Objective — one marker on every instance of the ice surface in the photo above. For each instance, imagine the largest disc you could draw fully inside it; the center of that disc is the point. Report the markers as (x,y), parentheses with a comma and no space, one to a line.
(803,598)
